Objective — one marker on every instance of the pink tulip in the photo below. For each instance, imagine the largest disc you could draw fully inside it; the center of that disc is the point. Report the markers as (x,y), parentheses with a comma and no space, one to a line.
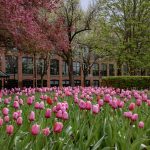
(128,114)
(5,111)
(19,121)
(88,105)
(16,104)
(15,115)
(107,98)
(82,104)
(29,100)
(46,131)
(32,116)
(131,106)
(134,117)
(6,119)
(138,102)
(35,130)
(95,109)
(19,113)
(148,102)
(100,102)
(37,105)
(59,114)
(120,104)
(41,105)
(54,109)
(16,98)
(1,122)
(6,101)
(9,129)
(58,106)
(48,113)
(20,101)
(65,116)
(141,124)
(114,104)
(58,126)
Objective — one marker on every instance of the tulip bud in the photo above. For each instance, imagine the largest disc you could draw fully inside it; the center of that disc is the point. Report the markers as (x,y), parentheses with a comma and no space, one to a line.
(58,126)
(35,130)
(9,129)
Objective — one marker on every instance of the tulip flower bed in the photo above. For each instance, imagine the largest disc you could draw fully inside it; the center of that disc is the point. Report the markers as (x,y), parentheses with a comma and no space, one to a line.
(74,118)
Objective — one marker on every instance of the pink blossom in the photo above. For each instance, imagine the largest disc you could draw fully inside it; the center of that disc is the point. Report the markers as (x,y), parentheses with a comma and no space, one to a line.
(65,116)
(29,100)
(6,119)
(5,111)
(35,130)
(36,105)
(82,104)
(138,102)
(15,115)
(134,117)
(1,122)
(59,114)
(19,121)
(46,131)
(100,102)
(32,116)
(41,105)
(95,109)
(9,129)
(141,124)
(58,126)
(20,101)
(88,105)
(16,104)
(128,114)
(48,113)
(6,101)
(131,106)
(107,98)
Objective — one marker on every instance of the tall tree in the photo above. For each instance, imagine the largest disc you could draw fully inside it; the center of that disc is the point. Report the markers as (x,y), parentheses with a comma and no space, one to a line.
(75,23)
(129,20)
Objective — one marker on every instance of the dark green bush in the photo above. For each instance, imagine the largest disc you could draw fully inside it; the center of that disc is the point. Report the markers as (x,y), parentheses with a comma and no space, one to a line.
(127,82)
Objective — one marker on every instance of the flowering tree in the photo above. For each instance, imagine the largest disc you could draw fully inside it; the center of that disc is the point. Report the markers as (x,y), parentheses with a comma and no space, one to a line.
(31,27)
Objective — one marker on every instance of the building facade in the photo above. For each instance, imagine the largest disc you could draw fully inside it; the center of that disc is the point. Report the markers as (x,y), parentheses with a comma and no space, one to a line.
(20,69)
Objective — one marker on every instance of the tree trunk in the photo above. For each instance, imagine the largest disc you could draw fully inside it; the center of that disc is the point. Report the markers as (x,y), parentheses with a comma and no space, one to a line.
(34,68)
(70,72)
(119,68)
(42,81)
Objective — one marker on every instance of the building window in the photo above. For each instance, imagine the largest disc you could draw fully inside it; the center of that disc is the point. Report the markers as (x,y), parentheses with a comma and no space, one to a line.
(27,83)
(95,83)
(77,82)
(54,83)
(11,64)
(39,83)
(111,70)
(40,66)
(65,68)
(95,70)
(104,69)
(76,68)
(54,67)
(27,65)
(87,82)
(65,83)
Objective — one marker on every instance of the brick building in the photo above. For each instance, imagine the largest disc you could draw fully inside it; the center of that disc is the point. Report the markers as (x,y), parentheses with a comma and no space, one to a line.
(21,72)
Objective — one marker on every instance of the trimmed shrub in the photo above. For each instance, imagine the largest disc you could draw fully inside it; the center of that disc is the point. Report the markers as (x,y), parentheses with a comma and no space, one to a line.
(127,82)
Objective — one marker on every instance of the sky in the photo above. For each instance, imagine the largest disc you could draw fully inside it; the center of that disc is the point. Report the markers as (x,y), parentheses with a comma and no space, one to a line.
(85,3)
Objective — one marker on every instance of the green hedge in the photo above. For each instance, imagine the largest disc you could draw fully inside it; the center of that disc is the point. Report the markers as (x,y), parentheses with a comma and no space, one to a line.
(127,82)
